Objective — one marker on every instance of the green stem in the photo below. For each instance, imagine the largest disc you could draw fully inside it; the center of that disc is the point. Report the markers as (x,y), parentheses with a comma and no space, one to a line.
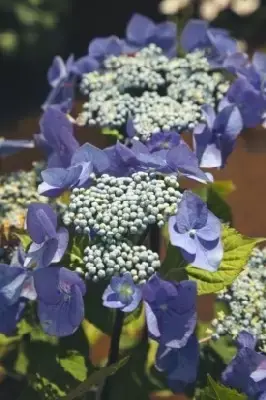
(114,351)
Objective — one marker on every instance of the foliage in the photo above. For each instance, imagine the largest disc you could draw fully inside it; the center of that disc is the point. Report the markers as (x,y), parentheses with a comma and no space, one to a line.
(216,391)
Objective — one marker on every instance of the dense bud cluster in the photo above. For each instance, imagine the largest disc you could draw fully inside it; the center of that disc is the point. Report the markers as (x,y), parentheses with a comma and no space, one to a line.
(157,92)
(123,206)
(246,299)
(103,260)
(17,191)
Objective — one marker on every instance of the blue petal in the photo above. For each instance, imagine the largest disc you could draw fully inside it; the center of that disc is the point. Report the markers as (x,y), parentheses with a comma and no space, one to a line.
(194,35)
(11,283)
(245,339)
(86,64)
(181,159)
(97,157)
(58,131)
(9,317)
(50,191)
(63,318)
(139,29)
(41,222)
(99,48)
(179,364)
(62,178)
(192,213)
(56,72)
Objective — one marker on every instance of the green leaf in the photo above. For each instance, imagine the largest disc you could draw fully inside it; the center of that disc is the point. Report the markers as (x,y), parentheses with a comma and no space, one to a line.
(237,250)
(225,348)
(173,264)
(24,238)
(216,391)
(76,253)
(112,132)
(214,194)
(95,379)
(74,363)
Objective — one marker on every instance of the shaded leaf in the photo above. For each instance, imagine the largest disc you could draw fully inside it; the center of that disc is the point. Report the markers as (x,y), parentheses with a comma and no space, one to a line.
(173,264)
(237,250)
(76,253)
(95,379)
(24,239)
(216,391)
(112,132)
(74,363)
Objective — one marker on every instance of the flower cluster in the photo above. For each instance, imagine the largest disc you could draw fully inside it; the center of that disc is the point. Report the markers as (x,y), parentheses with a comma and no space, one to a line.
(17,191)
(246,301)
(119,195)
(159,93)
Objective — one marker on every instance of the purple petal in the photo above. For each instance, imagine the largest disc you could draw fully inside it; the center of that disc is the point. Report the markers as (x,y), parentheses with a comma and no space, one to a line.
(61,96)
(97,157)
(211,157)
(63,318)
(42,254)
(137,296)
(58,131)
(86,64)
(11,283)
(259,62)
(194,35)
(41,222)
(111,299)
(63,238)
(182,240)
(99,48)
(84,178)
(56,72)
(192,213)
(9,318)
(209,114)
(179,364)
(139,29)
(62,178)
(245,339)
(208,259)
(151,321)
(164,36)
(50,191)
(229,122)
(212,229)
(181,159)
(130,130)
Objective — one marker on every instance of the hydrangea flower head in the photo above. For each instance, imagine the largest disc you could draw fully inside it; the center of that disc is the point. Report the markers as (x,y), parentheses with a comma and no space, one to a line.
(215,140)
(122,293)
(168,305)
(49,244)
(197,232)
(141,31)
